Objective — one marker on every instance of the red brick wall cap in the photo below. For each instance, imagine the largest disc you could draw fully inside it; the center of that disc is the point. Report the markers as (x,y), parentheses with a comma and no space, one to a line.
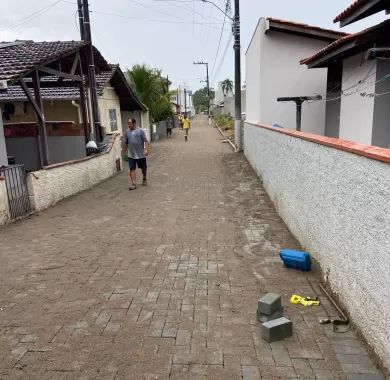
(369,151)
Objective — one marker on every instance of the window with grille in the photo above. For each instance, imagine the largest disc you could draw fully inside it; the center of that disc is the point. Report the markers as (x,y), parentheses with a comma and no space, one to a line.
(113,119)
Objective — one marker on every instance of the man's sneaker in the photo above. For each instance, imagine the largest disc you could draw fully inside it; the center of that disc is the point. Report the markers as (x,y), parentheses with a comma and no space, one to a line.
(144,182)
(132,187)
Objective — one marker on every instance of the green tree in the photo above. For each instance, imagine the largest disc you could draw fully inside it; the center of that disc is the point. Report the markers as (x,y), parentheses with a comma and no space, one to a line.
(200,99)
(151,89)
(227,86)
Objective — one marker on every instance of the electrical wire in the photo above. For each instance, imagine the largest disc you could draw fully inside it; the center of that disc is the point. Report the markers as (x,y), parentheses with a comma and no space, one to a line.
(220,37)
(153,9)
(209,25)
(223,58)
(32,16)
(375,94)
(95,35)
(359,89)
(329,93)
(183,5)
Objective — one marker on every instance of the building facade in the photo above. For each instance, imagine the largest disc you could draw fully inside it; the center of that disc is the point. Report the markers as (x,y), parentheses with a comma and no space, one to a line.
(273,70)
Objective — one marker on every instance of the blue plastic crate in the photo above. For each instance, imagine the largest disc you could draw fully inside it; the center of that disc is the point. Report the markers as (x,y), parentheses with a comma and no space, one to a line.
(296,259)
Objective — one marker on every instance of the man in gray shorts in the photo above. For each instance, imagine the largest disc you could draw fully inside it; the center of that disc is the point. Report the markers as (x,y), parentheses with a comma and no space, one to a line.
(137,146)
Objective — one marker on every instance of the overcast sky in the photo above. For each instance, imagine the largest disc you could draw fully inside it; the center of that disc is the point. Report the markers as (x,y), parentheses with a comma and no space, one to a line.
(168,34)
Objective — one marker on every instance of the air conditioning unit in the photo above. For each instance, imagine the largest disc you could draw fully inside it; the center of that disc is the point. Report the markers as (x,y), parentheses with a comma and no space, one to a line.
(3,85)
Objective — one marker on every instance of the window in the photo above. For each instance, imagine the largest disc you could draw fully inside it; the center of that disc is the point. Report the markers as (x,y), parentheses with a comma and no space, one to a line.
(113,120)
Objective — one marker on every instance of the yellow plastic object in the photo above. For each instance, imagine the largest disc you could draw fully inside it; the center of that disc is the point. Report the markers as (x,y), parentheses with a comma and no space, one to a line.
(305,301)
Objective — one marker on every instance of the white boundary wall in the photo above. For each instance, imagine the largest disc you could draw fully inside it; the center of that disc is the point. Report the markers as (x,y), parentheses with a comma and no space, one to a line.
(4,211)
(337,204)
(50,185)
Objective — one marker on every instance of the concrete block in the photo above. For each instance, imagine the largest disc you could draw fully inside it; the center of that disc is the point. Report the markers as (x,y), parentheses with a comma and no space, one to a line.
(269,303)
(276,329)
(265,318)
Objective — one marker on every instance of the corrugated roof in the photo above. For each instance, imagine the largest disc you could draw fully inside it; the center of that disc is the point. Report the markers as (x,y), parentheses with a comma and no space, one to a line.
(18,58)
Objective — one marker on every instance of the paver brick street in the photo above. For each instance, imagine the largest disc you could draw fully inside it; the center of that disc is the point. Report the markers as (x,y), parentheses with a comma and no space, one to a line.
(163,282)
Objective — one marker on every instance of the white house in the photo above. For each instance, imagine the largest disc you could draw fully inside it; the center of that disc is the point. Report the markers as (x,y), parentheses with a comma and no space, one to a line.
(358,84)
(273,70)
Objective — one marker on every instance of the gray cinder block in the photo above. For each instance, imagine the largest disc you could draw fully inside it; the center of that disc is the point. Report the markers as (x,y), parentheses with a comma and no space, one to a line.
(269,303)
(276,329)
(265,318)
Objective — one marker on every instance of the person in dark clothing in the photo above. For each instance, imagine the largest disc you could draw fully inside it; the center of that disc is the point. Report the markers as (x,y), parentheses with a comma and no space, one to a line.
(169,127)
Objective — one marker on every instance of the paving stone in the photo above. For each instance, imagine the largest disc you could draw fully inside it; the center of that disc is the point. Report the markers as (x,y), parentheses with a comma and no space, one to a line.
(302,368)
(353,359)
(366,376)
(276,329)
(269,303)
(250,373)
(281,357)
(183,337)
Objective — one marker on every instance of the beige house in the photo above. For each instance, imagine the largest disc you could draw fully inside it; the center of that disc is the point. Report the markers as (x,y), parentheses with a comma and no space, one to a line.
(66,137)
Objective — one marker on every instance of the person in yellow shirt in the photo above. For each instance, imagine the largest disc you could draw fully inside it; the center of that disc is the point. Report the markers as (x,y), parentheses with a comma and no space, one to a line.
(186,126)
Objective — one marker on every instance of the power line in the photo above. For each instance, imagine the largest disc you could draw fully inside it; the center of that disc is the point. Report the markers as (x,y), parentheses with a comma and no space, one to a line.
(101,42)
(153,9)
(345,94)
(183,5)
(223,58)
(374,94)
(207,24)
(32,16)
(227,7)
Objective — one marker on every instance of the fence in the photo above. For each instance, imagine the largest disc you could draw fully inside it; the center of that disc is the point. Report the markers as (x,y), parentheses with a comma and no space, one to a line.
(17,192)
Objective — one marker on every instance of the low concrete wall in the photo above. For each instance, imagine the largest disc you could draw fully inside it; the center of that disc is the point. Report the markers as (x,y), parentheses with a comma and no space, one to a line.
(59,181)
(4,211)
(334,196)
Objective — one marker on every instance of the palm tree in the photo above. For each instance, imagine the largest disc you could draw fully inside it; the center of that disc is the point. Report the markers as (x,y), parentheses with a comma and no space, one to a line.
(227,86)
(151,88)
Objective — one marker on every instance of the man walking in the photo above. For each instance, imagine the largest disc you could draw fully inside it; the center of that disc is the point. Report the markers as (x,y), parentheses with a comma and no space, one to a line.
(137,146)
(186,126)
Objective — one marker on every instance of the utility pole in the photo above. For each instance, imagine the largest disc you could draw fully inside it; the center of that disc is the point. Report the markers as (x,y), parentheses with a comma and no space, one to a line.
(81,18)
(185,101)
(208,86)
(237,74)
(237,71)
(179,98)
(85,32)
